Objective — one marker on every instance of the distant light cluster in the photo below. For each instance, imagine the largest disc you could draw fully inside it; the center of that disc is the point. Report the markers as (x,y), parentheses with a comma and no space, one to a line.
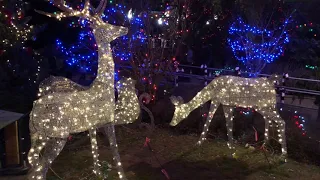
(250,44)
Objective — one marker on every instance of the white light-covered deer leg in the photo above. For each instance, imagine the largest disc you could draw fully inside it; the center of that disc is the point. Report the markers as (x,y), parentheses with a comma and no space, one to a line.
(267,121)
(212,110)
(282,130)
(282,135)
(272,114)
(33,155)
(95,154)
(114,148)
(228,113)
(37,144)
(52,149)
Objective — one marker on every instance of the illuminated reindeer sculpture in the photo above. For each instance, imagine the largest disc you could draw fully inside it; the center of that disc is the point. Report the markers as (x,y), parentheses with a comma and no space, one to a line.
(232,91)
(65,107)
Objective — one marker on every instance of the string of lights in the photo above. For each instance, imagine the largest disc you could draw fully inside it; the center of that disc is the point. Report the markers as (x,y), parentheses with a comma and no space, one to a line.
(81,108)
(250,44)
(232,91)
(82,54)
(15,32)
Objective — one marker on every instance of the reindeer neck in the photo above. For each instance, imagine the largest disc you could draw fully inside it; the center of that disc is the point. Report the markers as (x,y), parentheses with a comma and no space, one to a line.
(201,98)
(105,72)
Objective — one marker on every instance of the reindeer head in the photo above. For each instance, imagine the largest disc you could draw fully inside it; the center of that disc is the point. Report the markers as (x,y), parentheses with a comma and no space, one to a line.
(180,110)
(103,31)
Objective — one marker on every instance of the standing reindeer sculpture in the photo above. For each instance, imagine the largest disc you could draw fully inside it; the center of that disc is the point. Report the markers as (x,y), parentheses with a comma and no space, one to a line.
(232,91)
(65,107)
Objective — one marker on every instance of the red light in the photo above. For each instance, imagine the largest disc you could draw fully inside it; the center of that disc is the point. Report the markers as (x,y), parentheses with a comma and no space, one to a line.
(297,123)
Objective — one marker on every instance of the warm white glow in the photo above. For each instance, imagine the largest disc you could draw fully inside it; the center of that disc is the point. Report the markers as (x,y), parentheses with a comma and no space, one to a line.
(231,92)
(160,21)
(130,15)
(65,107)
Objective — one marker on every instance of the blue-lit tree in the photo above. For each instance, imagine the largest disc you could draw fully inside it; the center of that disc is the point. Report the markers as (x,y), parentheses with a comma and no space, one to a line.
(145,49)
(255,47)
(82,55)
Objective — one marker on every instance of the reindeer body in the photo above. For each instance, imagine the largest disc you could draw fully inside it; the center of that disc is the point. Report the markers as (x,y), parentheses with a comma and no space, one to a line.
(237,91)
(65,107)
(232,91)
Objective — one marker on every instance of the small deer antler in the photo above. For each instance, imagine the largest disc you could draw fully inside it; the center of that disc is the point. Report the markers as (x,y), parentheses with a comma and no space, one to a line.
(67,11)
(101,7)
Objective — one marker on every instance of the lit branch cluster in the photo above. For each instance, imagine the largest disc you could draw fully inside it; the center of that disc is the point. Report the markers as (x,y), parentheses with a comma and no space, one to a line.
(231,92)
(19,32)
(256,47)
(66,107)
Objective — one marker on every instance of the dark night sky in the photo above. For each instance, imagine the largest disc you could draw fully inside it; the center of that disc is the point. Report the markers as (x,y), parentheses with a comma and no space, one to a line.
(54,28)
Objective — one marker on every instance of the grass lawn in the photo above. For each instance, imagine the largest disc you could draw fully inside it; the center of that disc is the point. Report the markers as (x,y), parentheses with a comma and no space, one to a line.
(181,159)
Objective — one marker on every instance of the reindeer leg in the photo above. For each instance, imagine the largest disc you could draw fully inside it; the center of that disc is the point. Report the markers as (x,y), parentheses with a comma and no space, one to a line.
(228,113)
(272,113)
(114,147)
(37,144)
(94,148)
(212,110)
(267,122)
(53,148)
(281,131)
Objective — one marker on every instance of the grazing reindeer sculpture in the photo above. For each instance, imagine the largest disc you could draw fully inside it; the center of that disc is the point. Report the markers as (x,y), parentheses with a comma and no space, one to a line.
(65,107)
(232,91)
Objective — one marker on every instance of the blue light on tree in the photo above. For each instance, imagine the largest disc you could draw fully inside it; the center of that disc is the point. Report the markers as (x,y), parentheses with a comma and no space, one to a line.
(83,54)
(256,47)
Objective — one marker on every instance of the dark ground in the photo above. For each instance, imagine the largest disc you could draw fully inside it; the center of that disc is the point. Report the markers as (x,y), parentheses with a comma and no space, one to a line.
(181,159)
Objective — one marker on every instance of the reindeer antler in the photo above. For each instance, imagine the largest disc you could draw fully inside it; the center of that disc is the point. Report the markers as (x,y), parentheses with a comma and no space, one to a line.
(101,7)
(67,11)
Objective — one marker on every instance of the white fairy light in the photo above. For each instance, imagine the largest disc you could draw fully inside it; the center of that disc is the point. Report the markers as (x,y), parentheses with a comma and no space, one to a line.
(232,91)
(160,21)
(65,107)
(167,13)
(130,15)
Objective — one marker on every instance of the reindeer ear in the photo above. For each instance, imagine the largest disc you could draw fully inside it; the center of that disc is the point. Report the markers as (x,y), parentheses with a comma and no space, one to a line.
(174,100)
(180,99)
